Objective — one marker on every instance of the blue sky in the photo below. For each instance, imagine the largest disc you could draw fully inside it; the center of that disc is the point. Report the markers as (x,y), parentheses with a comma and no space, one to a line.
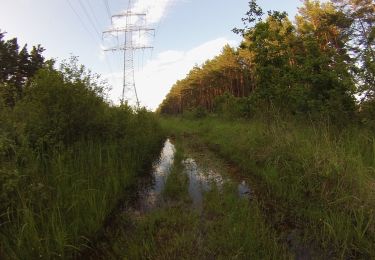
(188,32)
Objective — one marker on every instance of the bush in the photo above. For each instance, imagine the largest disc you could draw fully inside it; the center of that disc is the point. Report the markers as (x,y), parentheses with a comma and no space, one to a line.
(195,113)
(60,108)
(67,156)
(229,106)
(367,113)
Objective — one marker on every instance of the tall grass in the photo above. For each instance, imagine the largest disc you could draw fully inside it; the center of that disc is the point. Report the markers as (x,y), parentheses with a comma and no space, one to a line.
(64,197)
(316,178)
(226,227)
(66,158)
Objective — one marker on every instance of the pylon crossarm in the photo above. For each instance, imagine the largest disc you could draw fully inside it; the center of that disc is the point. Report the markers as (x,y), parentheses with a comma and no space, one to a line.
(128,14)
(128,48)
(129,29)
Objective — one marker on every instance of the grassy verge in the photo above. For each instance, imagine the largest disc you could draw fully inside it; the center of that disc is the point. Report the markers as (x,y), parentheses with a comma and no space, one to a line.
(62,198)
(228,228)
(235,228)
(313,178)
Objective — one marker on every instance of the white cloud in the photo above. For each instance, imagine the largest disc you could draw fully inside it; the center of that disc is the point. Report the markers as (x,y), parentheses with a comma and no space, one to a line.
(155,9)
(160,73)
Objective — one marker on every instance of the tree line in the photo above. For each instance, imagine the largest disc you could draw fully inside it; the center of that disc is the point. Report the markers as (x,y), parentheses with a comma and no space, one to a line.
(322,63)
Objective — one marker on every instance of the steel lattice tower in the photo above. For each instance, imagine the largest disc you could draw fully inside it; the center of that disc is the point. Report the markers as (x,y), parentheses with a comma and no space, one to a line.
(135,25)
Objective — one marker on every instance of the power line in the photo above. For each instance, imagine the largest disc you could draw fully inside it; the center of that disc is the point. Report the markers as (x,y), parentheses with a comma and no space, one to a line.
(89,17)
(81,21)
(93,14)
(91,35)
(107,8)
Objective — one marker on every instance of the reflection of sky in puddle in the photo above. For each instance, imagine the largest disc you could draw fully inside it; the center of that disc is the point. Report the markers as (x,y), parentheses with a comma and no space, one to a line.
(244,189)
(160,173)
(200,180)
(163,167)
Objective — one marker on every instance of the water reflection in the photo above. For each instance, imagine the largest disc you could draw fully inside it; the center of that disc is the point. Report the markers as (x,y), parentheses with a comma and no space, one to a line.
(151,195)
(244,190)
(198,182)
(201,180)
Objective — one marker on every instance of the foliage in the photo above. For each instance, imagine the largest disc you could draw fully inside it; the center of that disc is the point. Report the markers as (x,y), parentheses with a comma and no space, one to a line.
(66,155)
(305,67)
(310,176)
(361,35)
(17,67)
(367,113)
(223,74)
(60,107)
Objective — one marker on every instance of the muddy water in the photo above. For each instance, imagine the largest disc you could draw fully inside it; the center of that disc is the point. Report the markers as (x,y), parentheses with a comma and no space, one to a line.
(244,190)
(201,179)
(150,195)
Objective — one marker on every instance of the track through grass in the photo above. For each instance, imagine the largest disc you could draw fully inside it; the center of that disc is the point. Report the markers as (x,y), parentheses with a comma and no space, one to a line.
(225,227)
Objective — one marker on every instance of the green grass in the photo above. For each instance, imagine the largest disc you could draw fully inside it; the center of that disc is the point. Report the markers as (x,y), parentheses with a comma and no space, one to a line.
(63,198)
(317,179)
(235,228)
(227,227)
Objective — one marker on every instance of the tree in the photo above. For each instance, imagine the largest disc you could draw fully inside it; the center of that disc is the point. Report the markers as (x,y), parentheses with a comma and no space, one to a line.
(63,106)
(300,68)
(226,73)
(325,63)
(17,67)
(362,42)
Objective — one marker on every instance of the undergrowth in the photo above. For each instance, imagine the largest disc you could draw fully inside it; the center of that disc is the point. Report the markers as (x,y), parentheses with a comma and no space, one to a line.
(226,227)
(60,202)
(313,177)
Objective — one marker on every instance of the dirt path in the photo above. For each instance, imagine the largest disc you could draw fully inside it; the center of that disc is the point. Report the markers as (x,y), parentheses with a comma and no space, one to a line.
(194,207)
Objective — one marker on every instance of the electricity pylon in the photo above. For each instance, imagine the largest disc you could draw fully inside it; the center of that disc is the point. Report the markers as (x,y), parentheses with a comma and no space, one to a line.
(135,25)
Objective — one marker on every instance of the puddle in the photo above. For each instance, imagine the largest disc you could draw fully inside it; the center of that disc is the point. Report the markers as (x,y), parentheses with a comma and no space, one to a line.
(244,190)
(201,180)
(150,196)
